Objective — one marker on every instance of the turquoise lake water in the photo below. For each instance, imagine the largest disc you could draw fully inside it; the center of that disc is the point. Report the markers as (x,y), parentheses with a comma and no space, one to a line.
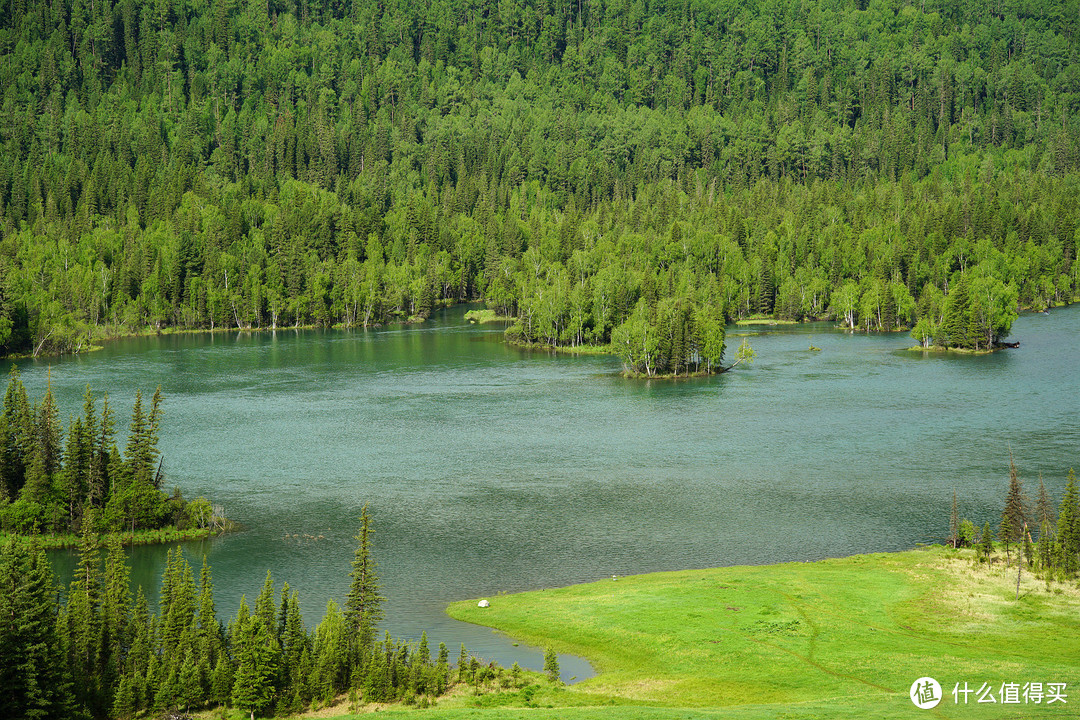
(493,469)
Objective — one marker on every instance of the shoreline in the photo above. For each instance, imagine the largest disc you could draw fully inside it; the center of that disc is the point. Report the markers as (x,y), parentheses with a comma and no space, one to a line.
(51,541)
(480,316)
(850,634)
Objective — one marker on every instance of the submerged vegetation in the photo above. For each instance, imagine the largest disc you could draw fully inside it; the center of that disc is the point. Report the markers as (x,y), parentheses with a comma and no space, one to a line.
(87,485)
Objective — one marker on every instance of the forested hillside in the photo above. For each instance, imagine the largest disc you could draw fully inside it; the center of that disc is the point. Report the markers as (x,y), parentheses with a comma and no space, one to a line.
(646,170)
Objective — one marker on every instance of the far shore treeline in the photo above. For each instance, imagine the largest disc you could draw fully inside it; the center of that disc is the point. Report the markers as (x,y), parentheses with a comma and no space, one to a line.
(86,485)
(629,175)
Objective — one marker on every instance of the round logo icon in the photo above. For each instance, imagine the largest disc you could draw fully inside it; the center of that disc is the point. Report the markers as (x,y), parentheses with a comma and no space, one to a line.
(925,693)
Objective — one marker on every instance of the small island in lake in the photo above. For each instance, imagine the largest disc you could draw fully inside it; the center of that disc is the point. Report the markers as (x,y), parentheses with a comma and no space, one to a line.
(53,493)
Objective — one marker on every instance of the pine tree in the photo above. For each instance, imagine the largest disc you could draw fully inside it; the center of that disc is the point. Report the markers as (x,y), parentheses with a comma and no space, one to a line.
(551,665)
(138,662)
(222,680)
(463,665)
(104,450)
(957,321)
(33,673)
(48,432)
(209,641)
(986,541)
(83,626)
(1044,509)
(253,683)
(1015,514)
(331,653)
(115,610)
(91,472)
(264,603)
(1068,527)
(442,670)
(363,604)
(16,439)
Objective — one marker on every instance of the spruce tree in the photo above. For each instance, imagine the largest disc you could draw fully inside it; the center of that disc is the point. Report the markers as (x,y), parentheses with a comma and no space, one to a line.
(16,439)
(115,609)
(442,670)
(222,680)
(104,451)
(331,653)
(48,432)
(1044,509)
(957,321)
(135,453)
(91,477)
(209,641)
(551,665)
(75,474)
(1068,527)
(986,541)
(253,683)
(33,675)
(1015,514)
(363,605)
(124,702)
(143,649)
(1046,548)
(264,603)
(83,626)
(294,639)
(463,665)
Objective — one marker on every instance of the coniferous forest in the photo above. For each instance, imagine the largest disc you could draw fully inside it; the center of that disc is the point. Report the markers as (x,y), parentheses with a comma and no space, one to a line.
(86,485)
(102,653)
(632,173)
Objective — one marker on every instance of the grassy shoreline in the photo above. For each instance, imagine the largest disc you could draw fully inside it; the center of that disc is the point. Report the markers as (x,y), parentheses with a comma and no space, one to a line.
(835,638)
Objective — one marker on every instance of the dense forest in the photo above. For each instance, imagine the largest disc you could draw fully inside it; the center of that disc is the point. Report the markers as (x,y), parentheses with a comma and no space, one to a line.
(101,653)
(656,166)
(87,485)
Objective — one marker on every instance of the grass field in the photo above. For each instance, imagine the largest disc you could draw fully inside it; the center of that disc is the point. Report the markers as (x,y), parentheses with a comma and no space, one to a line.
(842,638)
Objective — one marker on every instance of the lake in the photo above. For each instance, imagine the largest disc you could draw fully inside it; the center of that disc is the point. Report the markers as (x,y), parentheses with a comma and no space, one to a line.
(493,469)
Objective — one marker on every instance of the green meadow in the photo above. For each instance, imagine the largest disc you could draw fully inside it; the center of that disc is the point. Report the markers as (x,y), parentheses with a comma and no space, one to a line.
(839,638)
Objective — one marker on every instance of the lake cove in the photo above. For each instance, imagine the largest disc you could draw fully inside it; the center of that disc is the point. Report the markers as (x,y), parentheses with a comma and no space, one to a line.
(492,469)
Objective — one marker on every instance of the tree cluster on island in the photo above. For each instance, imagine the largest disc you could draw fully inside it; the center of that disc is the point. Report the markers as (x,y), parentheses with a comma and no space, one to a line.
(600,172)
(1040,538)
(101,653)
(86,484)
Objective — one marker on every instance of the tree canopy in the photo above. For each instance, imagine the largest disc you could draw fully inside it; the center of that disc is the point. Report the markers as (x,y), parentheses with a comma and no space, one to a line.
(222,164)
